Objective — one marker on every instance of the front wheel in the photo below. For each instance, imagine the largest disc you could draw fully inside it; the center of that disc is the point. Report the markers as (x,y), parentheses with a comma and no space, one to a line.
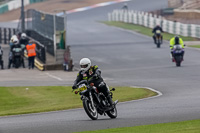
(91,111)
(112,113)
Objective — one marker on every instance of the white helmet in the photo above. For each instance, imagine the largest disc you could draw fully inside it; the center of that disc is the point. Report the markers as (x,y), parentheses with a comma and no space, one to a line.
(85,64)
(15,41)
(12,38)
(23,35)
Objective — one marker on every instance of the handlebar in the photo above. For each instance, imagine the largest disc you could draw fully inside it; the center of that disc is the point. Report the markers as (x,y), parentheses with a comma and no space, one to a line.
(81,82)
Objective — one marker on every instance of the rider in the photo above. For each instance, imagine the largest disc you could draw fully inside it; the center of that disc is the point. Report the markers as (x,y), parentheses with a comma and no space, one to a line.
(154,31)
(93,75)
(16,45)
(125,7)
(24,40)
(175,41)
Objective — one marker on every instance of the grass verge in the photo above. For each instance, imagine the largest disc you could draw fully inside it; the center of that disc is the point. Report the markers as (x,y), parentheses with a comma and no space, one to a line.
(20,100)
(194,46)
(145,30)
(175,127)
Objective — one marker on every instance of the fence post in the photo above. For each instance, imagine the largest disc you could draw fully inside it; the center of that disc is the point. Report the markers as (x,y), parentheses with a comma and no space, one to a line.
(0,35)
(5,38)
(174,27)
(198,32)
(189,29)
(9,34)
(14,31)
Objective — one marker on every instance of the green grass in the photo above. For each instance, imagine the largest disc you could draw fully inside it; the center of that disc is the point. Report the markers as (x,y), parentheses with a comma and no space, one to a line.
(192,126)
(18,100)
(194,46)
(145,30)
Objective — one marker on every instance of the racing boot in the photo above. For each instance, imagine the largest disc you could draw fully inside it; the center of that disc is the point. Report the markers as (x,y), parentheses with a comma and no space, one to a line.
(109,100)
(2,64)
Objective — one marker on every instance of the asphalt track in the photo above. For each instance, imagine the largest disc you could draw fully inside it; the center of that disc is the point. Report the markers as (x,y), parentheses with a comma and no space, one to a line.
(126,59)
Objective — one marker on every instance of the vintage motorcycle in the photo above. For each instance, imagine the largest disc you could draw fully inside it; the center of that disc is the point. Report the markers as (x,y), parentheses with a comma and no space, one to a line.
(95,102)
(178,53)
(158,37)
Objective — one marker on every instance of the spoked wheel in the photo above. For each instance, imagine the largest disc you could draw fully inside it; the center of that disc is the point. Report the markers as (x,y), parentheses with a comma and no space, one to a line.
(112,113)
(91,111)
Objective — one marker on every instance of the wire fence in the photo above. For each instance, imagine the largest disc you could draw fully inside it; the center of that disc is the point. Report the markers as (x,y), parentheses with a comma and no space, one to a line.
(43,27)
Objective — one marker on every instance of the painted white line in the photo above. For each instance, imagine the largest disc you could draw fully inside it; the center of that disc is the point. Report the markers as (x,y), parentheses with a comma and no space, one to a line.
(54,77)
(158,92)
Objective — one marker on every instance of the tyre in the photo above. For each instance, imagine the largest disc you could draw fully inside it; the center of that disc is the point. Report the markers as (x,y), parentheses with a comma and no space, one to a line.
(178,61)
(91,112)
(112,113)
(17,62)
(158,45)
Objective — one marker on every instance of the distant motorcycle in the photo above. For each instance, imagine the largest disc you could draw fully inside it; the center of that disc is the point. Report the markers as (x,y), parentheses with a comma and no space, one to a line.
(18,55)
(158,37)
(178,52)
(94,102)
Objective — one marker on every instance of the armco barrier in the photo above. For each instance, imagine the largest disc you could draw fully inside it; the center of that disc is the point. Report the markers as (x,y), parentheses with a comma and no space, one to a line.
(5,34)
(151,20)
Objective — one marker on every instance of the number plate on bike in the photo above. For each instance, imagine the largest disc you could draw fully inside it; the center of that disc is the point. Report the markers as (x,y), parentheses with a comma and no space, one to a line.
(158,31)
(82,87)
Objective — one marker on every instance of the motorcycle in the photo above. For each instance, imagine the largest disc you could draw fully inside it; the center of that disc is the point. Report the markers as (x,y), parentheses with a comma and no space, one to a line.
(158,37)
(18,56)
(95,102)
(178,52)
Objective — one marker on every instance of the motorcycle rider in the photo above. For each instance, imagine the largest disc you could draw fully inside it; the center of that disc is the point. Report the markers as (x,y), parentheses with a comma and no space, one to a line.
(24,40)
(11,55)
(125,7)
(93,75)
(154,31)
(175,41)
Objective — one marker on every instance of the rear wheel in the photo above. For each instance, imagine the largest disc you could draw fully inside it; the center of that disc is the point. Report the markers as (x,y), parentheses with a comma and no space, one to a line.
(158,43)
(178,61)
(17,62)
(91,111)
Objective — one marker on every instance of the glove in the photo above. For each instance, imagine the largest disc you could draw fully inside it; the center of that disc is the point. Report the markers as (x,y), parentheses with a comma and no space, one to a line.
(74,87)
(95,76)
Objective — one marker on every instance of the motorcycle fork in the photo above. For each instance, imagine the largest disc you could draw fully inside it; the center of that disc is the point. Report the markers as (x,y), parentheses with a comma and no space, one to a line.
(91,98)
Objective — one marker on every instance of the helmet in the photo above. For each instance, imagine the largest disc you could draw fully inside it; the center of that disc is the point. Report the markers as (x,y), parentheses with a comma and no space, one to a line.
(85,64)
(23,36)
(15,41)
(176,39)
(12,38)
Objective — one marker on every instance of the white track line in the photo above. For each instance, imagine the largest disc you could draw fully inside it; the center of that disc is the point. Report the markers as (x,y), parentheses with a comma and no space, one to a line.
(158,92)
(52,76)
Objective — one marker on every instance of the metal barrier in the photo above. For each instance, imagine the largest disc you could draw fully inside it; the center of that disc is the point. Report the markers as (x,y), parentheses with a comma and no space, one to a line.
(45,42)
(150,20)
(5,35)
(43,28)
